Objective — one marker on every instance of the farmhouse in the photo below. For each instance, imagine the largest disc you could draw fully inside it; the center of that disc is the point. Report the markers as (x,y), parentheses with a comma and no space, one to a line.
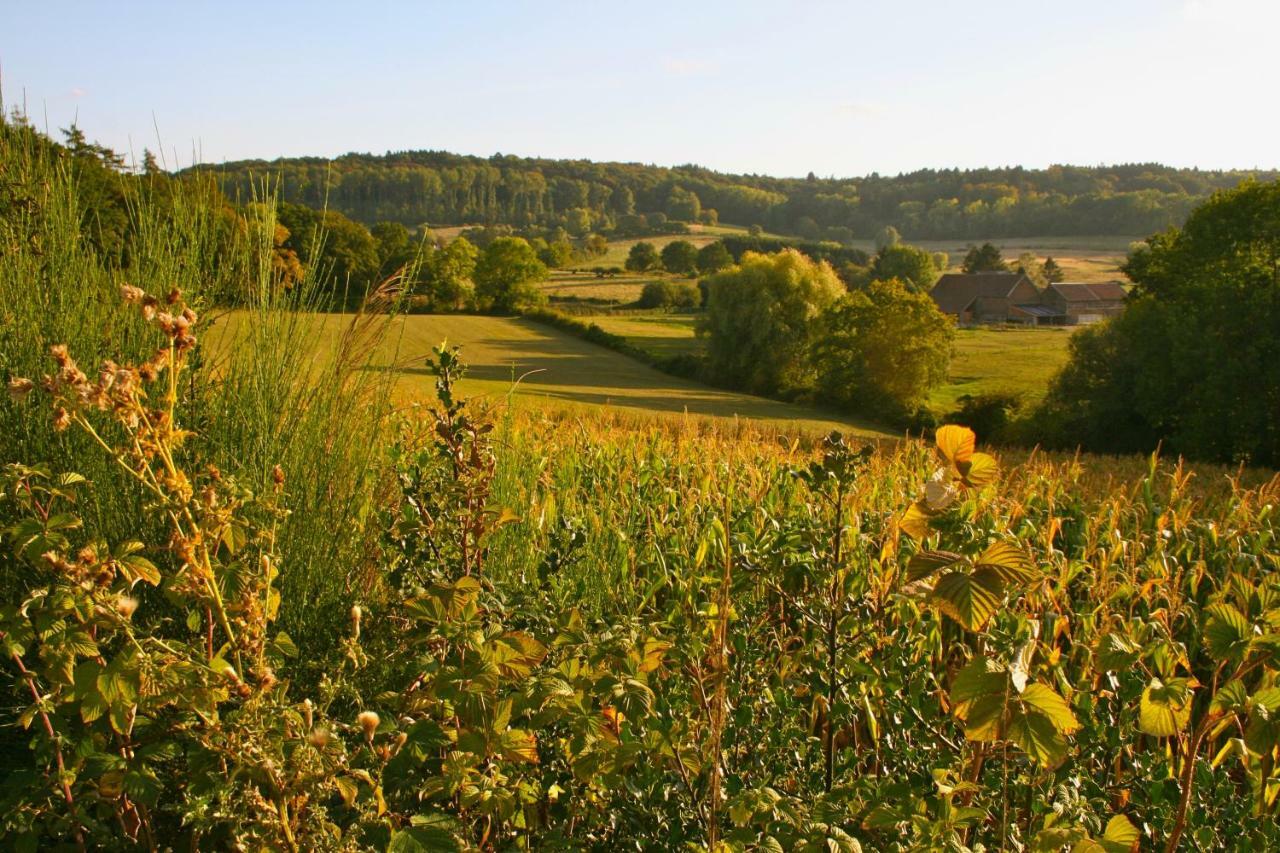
(1005,297)
(987,297)
(1081,302)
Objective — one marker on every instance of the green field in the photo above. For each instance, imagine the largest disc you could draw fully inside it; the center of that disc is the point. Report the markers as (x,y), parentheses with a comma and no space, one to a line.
(1019,361)
(548,369)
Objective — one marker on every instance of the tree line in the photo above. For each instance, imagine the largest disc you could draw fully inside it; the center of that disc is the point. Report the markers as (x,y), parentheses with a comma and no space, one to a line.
(415,187)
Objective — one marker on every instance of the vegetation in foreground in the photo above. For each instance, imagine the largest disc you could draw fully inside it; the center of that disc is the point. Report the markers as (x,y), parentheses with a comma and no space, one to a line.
(248,607)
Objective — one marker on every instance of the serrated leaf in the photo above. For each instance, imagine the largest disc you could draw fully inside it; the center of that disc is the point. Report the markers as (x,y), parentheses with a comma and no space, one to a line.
(1009,563)
(915,521)
(955,443)
(347,789)
(1120,836)
(1116,652)
(927,563)
(969,599)
(136,568)
(1164,709)
(1046,701)
(517,745)
(1037,736)
(426,834)
(980,470)
(1226,631)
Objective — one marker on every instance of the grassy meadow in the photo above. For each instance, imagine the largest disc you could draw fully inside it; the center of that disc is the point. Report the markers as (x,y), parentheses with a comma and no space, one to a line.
(1016,361)
(534,366)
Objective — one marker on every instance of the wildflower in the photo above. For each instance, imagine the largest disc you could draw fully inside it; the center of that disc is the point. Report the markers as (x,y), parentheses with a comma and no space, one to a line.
(308,713)
(174,296)
(20,388)
(149,304)
(190,316)
(126,605)
(61,419)
(368,721)
(131,294)
(319,738)
(60,355)
(356,613)
(277,476)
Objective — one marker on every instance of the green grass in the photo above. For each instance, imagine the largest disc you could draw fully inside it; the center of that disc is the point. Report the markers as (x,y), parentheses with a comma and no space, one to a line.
(556,371)
(1020,361)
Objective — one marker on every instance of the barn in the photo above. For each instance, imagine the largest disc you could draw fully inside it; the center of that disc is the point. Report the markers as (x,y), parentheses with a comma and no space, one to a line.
(987,297)
(1085,302)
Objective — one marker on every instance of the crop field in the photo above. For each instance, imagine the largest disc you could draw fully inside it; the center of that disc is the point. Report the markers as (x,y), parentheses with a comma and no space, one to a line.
(543,368)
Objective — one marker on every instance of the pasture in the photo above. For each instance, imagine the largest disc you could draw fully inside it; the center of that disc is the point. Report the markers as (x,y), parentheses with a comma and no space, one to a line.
(1018,361)
(537,367)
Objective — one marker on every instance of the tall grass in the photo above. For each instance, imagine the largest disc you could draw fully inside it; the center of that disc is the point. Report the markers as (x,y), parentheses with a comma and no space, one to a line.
(260,399)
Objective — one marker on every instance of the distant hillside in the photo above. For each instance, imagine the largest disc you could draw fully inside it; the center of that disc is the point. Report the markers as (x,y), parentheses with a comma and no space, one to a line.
(416,187)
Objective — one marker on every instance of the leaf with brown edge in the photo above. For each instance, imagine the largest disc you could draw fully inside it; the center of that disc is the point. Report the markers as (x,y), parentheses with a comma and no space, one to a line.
(1010,563)
(926,563)
(955,443)
(969,599)
(518,745)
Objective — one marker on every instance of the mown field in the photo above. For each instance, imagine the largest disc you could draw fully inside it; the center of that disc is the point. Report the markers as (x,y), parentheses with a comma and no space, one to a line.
(540,367)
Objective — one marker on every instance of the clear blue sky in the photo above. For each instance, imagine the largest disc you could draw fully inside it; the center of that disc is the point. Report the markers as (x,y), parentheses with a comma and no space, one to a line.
(784,88)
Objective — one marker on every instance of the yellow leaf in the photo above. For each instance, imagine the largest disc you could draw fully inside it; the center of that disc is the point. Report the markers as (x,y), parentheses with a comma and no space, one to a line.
(955,443)
(1164,709)
(982,469)
(915,522)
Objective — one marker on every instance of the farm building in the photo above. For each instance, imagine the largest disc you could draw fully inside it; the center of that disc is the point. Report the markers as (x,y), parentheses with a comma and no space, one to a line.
(1080,302)
(1005,297)
(986,297)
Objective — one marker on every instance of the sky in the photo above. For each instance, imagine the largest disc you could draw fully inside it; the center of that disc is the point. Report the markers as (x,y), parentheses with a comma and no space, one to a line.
(782,88)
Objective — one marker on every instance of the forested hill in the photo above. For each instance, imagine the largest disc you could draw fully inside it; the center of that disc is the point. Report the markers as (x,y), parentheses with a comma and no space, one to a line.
(416,187)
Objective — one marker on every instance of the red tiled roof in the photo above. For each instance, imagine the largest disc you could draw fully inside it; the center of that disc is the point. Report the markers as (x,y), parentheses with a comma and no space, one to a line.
(955,292)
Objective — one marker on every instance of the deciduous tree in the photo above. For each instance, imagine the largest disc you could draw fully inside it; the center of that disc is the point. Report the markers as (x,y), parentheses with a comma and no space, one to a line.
(760,318)
(507,274)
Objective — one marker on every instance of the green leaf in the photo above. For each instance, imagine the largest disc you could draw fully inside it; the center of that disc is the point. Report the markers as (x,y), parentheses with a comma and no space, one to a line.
(980,677)
(927,563)
(347,789)
(435,833)
(969,599)
(1009,563)
(517,745)
(1116,652)
(283,646)
(1164,709)
(1044,700)
(1037,736)
(136,568)
(1226,631)
(1120,836)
